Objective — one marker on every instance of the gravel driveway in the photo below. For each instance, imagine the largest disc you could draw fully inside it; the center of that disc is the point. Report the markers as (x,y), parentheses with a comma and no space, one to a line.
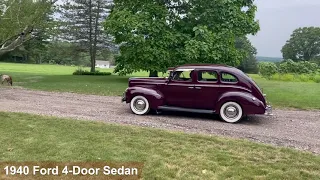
(298,129)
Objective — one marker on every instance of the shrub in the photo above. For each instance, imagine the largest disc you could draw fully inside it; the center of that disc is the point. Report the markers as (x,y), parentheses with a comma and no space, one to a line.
(267,69)
(96,73)
(52,62)
(302,67)
(287,66)
(317,78)
(316,61)
(307,67)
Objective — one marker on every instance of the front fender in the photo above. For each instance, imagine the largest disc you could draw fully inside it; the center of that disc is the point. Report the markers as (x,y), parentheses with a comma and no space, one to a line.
(154,97)
(249,103)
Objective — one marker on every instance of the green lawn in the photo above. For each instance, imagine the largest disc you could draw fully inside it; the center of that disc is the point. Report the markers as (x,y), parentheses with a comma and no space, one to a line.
(302,95)
(166,155)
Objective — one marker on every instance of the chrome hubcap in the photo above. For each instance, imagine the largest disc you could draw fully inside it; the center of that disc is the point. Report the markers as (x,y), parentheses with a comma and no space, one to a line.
(139,105)
(231,112)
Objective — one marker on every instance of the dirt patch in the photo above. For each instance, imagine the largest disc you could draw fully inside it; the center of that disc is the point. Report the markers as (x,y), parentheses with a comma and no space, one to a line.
(289,128)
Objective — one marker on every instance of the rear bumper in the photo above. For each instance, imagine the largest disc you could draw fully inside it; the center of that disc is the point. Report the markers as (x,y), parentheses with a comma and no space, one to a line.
(268,111)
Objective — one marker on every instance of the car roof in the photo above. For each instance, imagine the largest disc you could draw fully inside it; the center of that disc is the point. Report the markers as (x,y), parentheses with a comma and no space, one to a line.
(207,66)
(219,67)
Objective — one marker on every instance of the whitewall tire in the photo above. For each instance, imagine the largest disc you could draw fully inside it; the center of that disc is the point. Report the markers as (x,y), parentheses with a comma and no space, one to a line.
(140,105)
(231,112)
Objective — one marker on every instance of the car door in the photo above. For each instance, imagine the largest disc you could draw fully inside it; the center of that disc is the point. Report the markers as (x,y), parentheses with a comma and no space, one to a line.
(207,89)
(179,91)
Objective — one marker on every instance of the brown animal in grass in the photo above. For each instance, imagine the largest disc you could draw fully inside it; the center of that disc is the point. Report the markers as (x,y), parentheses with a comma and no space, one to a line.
(6,78)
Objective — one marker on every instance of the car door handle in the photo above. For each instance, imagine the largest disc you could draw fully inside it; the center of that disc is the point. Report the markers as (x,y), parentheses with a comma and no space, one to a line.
(191,87)
(198,88)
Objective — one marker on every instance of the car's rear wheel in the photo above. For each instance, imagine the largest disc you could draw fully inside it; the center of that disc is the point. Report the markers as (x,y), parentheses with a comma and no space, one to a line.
(231,112)
(140,105)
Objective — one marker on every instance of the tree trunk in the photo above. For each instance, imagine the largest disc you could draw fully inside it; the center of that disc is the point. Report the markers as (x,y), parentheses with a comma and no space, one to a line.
(92,58)
(94,49)
(93,65)
(153,73)
(40,60)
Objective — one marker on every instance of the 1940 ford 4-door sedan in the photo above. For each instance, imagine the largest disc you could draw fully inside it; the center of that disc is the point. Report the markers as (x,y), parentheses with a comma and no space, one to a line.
(202,88)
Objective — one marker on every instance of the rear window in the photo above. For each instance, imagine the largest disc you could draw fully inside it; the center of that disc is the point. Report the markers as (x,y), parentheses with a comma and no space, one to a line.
(207,76)
(227,77)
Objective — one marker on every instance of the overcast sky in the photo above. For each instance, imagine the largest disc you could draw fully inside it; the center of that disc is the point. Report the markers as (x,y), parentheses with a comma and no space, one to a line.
(278,18)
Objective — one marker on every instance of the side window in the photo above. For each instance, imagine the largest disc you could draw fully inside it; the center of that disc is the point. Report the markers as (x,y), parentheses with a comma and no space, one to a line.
(226,77)
(183,75)
(207,76)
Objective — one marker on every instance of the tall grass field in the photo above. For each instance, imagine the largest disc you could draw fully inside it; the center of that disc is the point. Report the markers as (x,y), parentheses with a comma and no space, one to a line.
(280,94)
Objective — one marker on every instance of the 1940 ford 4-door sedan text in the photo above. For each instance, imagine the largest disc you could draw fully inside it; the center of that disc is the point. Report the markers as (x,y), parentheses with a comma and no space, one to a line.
(215,89)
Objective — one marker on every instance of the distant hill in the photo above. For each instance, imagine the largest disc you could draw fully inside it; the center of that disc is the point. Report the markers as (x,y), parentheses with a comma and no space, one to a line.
(269,59)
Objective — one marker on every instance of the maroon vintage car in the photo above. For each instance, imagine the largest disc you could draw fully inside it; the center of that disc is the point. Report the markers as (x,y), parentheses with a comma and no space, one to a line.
(200,88)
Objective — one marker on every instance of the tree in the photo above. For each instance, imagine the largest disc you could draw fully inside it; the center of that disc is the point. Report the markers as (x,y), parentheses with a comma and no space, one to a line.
(303,45)
(31,51)
(156,34)
(250,62)
(18,19)
(64,53)
(81,25)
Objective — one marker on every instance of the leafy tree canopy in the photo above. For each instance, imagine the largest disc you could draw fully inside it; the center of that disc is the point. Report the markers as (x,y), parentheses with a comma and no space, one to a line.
(249,64)
(18,19)
(303,45)
(156,34)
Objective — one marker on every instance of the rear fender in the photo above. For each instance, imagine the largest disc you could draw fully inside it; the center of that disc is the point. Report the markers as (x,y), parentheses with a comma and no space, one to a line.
(249,103)
(154,97)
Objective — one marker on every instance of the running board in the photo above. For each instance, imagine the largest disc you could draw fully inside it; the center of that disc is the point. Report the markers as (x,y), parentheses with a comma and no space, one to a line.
(171,108)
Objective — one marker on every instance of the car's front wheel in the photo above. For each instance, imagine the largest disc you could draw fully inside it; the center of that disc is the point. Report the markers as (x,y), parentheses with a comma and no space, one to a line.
(140,105)
(231,112)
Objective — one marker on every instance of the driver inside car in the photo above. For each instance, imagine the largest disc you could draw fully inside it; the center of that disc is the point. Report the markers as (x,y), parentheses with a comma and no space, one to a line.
(178,78)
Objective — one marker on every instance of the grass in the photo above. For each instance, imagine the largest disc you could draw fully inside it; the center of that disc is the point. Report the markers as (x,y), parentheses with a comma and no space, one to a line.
(60,78)
(166,155)
(302,95)
(297,77)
